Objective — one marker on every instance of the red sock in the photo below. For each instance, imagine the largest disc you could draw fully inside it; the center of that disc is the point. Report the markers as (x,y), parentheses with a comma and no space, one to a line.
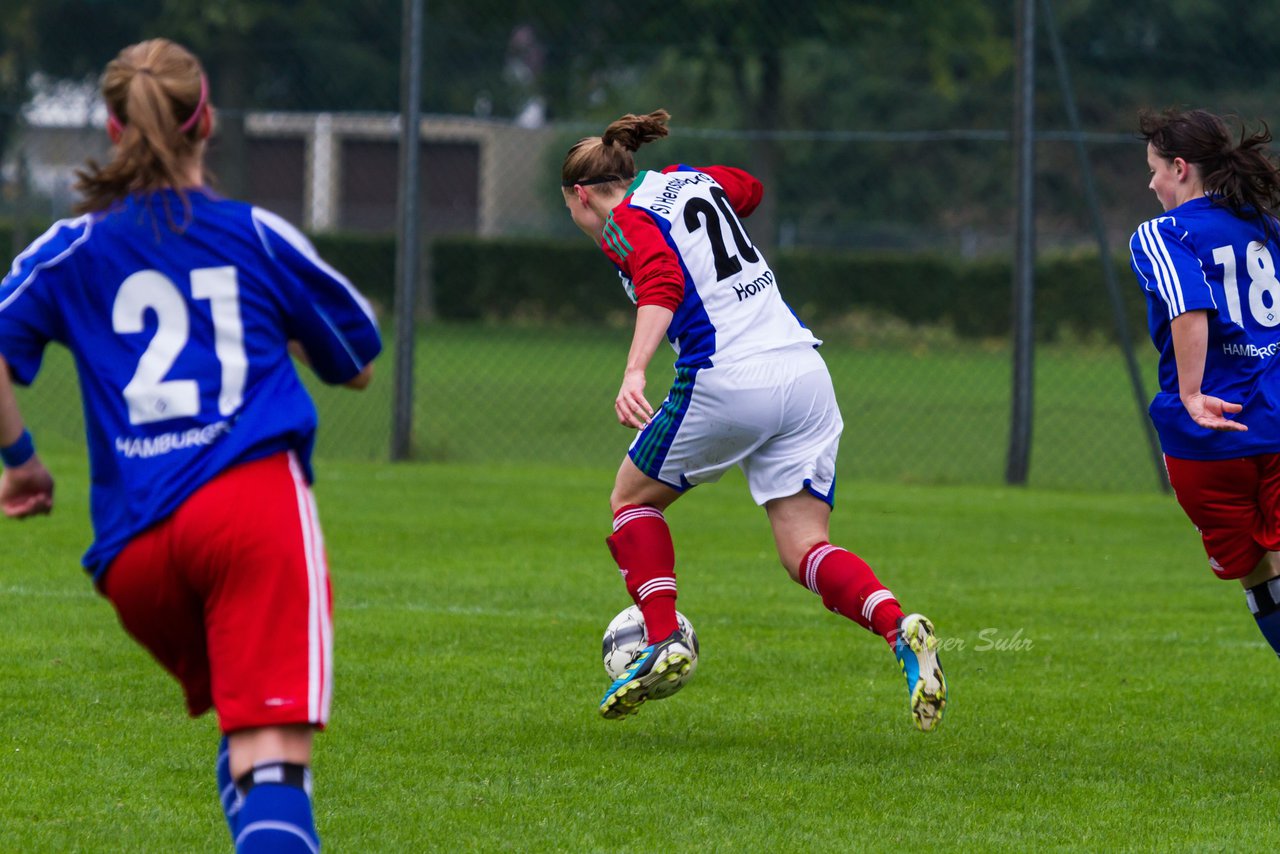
(641,545)
(849,588)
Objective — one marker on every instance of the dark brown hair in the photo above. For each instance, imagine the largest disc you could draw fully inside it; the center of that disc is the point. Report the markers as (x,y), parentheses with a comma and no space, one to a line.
(1237,174)
(606,159)
(154,91)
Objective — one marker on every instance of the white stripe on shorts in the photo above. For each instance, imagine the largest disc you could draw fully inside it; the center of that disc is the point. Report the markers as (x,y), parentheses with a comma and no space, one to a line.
(319,623)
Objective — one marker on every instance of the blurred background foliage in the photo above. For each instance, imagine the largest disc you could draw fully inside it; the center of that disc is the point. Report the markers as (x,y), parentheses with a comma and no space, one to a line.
(768,70)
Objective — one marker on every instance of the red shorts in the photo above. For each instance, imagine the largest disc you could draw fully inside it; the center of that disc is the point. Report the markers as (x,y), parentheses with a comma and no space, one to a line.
(1235,505)
(231,595)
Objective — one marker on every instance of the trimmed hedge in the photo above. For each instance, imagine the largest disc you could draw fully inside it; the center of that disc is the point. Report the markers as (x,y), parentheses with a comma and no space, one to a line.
(501,279)
(555,280)
(569,281)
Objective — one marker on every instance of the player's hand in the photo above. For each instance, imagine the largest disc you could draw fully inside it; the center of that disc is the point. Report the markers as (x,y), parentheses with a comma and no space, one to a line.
(1211,412)
(631,406)
(26,490)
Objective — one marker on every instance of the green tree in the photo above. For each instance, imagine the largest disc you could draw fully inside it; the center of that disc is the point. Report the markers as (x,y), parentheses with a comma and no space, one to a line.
(287,54)
(767,68)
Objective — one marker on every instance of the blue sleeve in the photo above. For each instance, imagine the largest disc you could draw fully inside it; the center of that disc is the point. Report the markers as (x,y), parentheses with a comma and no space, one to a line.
(324,312)
(1168,268)
(28,320)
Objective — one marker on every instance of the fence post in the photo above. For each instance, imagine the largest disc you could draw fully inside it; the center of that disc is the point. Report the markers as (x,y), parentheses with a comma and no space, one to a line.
(408,229)
(1024,251)
(1104,249)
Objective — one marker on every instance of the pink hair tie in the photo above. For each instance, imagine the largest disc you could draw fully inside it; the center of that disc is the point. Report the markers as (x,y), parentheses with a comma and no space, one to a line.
(195,116)
(115,126)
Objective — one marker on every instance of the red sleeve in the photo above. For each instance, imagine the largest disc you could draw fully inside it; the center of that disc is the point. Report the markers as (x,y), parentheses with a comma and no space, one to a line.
(633,241)
(744,189)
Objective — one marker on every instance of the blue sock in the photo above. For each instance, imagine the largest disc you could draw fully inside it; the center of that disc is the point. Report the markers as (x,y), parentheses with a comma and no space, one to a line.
(1264,604)
(275,817)
(227,793)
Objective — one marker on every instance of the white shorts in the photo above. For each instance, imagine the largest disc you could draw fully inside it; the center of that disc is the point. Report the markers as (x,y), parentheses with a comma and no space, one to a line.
(775,417)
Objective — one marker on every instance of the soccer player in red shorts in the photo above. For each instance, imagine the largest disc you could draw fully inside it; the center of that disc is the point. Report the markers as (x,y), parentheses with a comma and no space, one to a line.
(1208,269)
(181,309)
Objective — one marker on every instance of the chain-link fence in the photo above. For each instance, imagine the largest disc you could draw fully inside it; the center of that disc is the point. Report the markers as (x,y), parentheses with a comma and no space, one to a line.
(883,141)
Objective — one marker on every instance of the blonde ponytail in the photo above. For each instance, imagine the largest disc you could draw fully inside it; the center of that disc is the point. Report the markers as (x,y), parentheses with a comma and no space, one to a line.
(156,95)
(607,158)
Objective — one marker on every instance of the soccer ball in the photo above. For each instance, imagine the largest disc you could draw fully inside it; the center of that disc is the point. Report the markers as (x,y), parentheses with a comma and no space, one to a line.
(624,639)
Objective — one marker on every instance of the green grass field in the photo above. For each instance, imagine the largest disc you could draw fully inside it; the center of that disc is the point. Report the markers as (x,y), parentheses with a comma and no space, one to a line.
(1105,689)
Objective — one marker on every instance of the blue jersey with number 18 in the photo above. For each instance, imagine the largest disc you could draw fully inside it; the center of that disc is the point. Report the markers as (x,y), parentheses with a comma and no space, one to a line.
(1200,256)
(180,338)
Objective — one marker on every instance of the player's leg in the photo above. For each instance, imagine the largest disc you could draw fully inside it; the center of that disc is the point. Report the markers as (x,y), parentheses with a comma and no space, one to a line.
(227,794)
(1235,505)
(235,582)
(641,546)
(272,773)
(253,543)
(847,585)
(1262,586)
(164,614)
(793,476)
(1262,595)
(703,428)
(706,425)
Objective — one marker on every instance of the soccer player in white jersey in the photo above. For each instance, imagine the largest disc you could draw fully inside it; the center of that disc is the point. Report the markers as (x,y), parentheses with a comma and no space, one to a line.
(180,308)
(750,391)
(1208,267)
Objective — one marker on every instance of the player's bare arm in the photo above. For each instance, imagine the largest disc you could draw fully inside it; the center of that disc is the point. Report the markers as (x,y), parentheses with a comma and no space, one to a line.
(1190,344)
(632,407)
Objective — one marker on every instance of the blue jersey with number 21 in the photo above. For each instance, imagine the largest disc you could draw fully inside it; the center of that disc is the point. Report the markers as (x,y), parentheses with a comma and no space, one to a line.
(1200,256)
(180,339)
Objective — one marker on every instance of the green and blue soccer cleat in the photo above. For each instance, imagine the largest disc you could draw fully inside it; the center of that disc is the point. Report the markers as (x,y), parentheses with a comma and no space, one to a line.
(917,653)
(657,672)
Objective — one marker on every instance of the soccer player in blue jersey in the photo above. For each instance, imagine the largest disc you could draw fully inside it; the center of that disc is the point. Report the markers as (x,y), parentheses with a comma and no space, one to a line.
(750,391)
(180,308)
(1208,268)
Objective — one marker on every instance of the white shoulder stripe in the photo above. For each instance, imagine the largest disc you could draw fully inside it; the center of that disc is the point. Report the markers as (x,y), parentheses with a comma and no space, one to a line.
(1167,280)
(1154,260)
(295,238)
(85,221)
